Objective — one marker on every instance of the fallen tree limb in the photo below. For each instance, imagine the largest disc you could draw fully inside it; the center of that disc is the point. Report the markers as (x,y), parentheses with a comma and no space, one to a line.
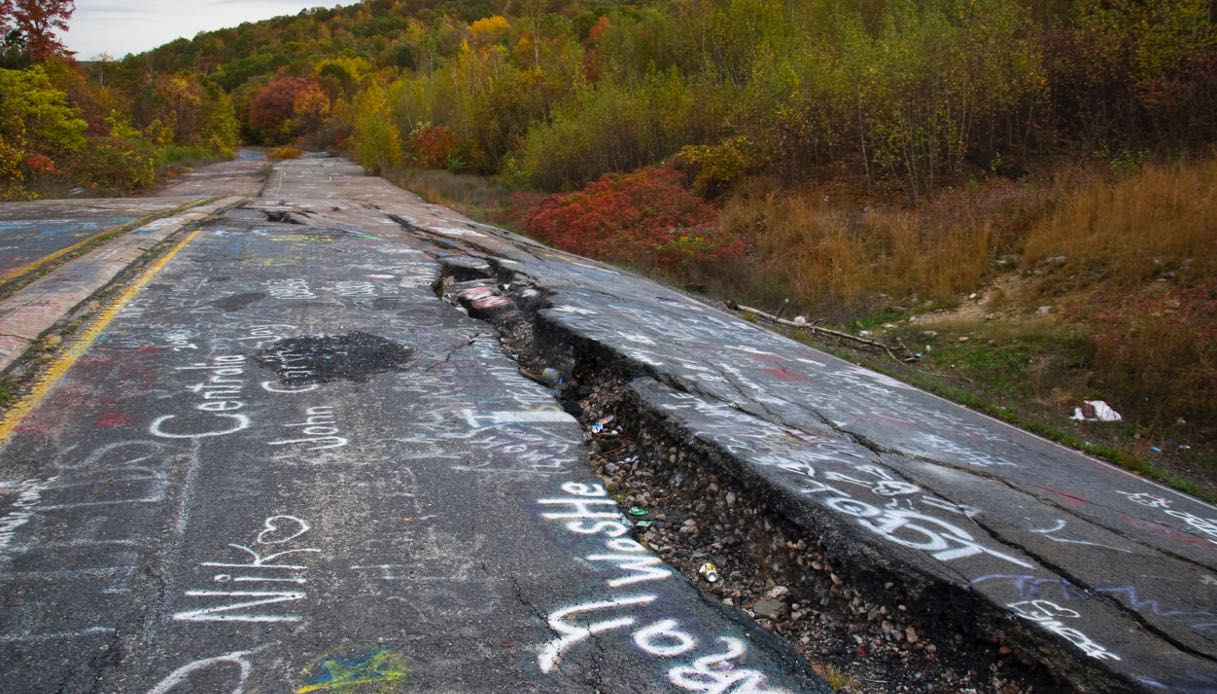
(817,330)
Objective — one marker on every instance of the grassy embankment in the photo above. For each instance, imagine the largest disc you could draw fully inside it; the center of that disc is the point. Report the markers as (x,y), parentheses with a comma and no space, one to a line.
(1092,280)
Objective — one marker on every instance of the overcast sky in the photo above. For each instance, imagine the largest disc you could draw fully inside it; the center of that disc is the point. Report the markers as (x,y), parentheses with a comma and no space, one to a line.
(119,27)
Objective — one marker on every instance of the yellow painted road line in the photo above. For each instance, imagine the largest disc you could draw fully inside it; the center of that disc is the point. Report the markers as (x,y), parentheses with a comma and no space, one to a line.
(46,383)
(121,228)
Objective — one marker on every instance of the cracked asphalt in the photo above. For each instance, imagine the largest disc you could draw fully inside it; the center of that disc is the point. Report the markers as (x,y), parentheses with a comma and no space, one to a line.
(287,465)
(287,461)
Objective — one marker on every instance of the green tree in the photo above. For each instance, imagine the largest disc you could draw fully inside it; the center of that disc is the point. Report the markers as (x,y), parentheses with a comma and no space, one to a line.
(377,141)
(36,122)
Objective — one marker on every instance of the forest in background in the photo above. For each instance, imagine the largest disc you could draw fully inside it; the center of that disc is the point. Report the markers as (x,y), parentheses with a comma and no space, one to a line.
(896,97)
(1042,171)
(101,128)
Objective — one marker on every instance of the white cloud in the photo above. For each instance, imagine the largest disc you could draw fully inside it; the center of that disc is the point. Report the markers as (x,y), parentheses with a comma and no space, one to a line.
(120,27)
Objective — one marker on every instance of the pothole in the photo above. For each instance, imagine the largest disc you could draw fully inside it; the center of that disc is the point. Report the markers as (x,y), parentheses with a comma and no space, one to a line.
(281,217)
(320,359)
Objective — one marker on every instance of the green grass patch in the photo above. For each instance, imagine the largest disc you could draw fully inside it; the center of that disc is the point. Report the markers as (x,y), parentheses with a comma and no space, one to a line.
(1020,412)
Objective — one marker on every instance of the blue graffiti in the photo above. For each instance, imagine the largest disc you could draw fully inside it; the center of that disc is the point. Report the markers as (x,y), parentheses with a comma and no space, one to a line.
(1197,682)
(1032,587)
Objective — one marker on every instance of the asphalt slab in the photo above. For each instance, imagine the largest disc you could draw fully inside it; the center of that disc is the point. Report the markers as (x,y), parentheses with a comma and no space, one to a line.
(300,458)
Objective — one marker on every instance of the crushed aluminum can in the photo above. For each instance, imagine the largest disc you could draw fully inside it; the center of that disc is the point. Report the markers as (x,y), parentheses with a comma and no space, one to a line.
(551,376)
(598,427)
(709,571)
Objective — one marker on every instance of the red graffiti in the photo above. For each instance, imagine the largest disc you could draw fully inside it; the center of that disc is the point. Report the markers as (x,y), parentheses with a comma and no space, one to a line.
(1074,500)
(784,374)
(112,419)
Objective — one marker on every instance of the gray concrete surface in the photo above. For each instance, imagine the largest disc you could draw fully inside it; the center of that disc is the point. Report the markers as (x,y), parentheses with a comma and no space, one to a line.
(241,177)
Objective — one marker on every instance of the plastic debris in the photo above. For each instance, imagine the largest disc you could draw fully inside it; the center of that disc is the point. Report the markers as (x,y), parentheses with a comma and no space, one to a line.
(800,320)
(709,571)
(638,511)
(551,376)
(1184,447)
(1155,449)
(1096,411)
(644,524)
(598,427)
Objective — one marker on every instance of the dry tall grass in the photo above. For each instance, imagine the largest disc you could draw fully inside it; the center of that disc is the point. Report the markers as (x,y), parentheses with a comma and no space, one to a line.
(476,196)
(834,260)
(1160,218)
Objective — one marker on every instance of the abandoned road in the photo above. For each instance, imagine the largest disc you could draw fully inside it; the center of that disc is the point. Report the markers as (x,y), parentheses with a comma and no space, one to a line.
(302,451)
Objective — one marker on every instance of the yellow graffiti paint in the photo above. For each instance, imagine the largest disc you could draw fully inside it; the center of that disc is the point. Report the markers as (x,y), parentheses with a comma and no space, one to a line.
(337,674)
(46,383)
(270,262)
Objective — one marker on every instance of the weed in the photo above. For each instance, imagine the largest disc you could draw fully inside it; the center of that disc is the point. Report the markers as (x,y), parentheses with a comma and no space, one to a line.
(476,196)
(836,678)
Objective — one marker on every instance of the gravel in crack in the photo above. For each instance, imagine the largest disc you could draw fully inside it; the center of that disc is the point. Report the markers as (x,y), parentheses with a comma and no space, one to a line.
(695,513)
(320,359)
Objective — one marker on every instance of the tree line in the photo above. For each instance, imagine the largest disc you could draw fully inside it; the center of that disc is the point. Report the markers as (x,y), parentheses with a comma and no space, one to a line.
(906,96)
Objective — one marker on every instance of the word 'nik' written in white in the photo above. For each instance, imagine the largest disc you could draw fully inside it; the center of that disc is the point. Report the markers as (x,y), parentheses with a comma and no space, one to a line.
(267,573)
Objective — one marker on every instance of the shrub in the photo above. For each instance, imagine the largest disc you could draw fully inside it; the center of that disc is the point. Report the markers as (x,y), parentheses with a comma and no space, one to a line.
(285,152)
(112,164)
(432,146)
(716,167)
(645,218)
(615,127)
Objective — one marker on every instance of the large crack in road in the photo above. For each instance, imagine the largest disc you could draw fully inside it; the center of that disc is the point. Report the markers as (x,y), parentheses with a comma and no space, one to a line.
(288,461)
(1105,562)
(286,465)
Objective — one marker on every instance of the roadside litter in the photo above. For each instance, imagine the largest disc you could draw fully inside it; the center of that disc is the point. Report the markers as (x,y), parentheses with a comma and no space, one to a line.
(550,377)
(1096,411)
(598,427)
(635,511)
(709,571)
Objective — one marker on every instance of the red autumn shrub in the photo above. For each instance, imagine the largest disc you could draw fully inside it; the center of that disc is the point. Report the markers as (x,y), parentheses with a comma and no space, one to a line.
(432,146)
(645,218)
(40,164)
